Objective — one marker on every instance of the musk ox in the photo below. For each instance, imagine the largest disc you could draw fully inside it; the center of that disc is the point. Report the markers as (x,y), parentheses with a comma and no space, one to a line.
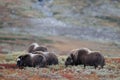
(35,47)
(85,57)
(37,59)
(51,58)
(31,60)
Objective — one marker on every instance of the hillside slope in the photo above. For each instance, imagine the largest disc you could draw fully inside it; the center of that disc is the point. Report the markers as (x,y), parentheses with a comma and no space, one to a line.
(89,20)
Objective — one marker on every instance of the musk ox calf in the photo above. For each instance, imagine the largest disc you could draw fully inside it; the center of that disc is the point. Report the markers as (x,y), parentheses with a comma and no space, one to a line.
(35,47)
(37,60)
(85,57)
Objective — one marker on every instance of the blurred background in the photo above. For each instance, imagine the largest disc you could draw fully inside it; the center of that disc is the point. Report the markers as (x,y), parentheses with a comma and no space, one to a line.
(60,25)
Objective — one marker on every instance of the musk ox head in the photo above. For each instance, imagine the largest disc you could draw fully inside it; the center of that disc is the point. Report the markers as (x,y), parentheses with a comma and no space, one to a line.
(24,60)
(70,60)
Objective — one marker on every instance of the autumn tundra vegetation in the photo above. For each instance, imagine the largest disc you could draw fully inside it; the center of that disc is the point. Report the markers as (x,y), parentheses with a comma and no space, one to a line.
(80,63)
(59,40)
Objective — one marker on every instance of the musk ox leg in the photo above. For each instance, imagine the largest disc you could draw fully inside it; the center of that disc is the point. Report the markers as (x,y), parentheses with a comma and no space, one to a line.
(95,66)
(84,66)
(102,66)
(55,62)
(42,65)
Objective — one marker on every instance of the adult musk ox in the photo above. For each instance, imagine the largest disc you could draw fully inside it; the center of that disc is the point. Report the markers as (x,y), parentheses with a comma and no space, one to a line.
(50,57)
(35,47)
(85,57)
(37,59)
(31,60)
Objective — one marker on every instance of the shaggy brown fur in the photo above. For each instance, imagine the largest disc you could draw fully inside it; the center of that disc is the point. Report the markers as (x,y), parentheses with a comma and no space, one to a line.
(34,60)
(93,59)
(35,47)
(85,57)
(51,58)
(73,58)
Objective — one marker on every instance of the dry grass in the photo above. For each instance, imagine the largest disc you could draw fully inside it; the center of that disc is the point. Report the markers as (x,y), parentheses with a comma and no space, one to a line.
(59,72)
(65,45)
(111,70)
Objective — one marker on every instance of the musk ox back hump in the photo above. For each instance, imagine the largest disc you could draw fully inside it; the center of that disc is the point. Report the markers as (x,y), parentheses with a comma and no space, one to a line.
(35,47)
(31,49)
(82,52)
(41,48)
